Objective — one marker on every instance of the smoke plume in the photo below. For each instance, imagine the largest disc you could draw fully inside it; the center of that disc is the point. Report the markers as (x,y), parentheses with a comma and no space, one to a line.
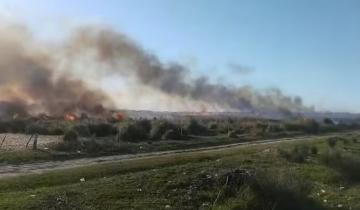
(38,76)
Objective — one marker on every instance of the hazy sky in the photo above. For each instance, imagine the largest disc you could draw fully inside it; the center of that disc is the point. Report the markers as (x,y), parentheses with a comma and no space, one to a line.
(309,48)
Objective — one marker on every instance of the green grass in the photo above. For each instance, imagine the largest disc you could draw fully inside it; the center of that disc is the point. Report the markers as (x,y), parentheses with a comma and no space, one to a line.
(185,181)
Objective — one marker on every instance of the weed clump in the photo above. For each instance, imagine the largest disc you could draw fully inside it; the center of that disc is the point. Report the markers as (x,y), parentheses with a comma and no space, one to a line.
(332,142)
(346,164)
(298,154)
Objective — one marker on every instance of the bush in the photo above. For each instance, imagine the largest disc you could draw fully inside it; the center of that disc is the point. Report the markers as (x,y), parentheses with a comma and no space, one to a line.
(13,126)
(44,128)
(303,125)
(71,136)
(171,135)
(213,126)
(145,124)
(102,129)
(233,134)
(195,128)
(36,129)
(82,130)
(92,146)
(347,165)
(314,150)
(298,154)
(160,127)
(332,142)
(282,191)
(355,140)
(134,133)
(269,190)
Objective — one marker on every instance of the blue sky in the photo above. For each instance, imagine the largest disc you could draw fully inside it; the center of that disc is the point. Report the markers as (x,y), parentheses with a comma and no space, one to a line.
(309,48)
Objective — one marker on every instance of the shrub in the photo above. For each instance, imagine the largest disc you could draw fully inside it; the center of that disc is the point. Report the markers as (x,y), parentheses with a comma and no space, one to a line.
(232,134)
(145,124)
(102,129)
(13,126)
(172,135)
(332,142)
(70,136)
(133,133)
(328,121)
(56,131)
(282,191)
(92,146)
(213,126)
(304,125)
(355,140)
(160,127)
(298,154)
(347,165)
(314,150)
(195,128)
(82,130)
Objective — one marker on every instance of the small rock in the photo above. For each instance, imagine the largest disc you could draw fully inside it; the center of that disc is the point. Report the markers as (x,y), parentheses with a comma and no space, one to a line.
(339,205)
(82,179)
(167,206)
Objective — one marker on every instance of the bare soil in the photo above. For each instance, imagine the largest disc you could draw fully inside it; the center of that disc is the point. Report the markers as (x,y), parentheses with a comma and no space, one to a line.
(16,142)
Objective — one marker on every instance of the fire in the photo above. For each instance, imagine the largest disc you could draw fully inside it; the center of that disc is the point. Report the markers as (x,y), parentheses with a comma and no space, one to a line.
(71,117)
(119,116)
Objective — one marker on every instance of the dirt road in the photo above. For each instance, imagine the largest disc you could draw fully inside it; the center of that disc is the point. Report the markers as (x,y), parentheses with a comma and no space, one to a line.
(41,167)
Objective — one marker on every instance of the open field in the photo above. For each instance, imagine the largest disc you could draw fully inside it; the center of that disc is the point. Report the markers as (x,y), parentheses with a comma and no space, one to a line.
(211,179)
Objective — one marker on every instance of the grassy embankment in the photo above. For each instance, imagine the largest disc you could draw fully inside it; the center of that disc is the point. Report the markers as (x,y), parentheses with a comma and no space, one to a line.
(321,179)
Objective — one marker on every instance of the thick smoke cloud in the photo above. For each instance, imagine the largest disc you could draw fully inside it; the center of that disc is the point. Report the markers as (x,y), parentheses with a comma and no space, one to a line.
(126,58)
(37,76)
(29,82)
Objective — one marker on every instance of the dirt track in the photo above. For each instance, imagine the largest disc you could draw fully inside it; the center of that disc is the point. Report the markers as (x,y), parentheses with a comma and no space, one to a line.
(41,167)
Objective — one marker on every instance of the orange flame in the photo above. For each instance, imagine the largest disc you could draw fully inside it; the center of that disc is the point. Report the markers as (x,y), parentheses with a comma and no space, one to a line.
(119,116)
(70,117)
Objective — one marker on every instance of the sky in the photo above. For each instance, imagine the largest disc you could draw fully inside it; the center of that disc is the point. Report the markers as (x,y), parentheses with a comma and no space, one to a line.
(306,48)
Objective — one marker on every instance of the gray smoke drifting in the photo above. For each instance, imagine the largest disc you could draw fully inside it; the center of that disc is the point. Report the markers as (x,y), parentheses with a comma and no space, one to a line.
(29,82)
(126,58)
(36,76)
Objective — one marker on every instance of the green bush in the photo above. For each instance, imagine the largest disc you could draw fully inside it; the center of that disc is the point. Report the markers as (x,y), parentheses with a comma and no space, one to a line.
(133,133)
(282,191)
(13,126)
(160,127)
(232,134)
(314,150)
(82,130)
(298,154)
(268,190)
(347,165)
(172,135)
(332,142)
(213,126)
(102,129)
(195,128)
(71,136)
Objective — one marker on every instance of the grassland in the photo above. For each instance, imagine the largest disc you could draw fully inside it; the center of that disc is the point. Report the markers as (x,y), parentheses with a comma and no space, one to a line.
(199,180)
